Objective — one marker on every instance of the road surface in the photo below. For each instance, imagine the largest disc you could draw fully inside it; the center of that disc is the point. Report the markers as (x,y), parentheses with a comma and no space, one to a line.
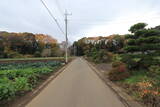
(77,86)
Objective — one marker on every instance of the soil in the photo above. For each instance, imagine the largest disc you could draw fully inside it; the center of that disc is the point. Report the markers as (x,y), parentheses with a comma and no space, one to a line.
(106,67)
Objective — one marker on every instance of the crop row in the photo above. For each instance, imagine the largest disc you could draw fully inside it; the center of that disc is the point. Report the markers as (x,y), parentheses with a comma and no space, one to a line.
(19,78)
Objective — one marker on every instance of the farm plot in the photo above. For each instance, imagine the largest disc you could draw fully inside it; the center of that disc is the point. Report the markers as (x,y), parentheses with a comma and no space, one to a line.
(18,78)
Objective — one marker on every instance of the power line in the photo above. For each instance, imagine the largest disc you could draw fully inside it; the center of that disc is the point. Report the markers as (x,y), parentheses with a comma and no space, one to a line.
(50,13)
(59,7)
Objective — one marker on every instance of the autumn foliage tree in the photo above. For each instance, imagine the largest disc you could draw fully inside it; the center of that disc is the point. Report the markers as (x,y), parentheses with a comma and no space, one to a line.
(26,44)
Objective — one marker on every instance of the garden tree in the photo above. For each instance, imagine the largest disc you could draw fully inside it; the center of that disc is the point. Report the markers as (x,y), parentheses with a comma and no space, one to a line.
(157,27)
(143,47)
(136,27)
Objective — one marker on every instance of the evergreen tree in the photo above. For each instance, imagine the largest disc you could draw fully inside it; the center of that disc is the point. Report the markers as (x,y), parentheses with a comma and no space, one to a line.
(143,47)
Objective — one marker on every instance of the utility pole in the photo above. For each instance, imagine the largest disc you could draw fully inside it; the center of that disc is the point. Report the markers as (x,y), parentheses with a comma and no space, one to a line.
(66,34)
(74,50)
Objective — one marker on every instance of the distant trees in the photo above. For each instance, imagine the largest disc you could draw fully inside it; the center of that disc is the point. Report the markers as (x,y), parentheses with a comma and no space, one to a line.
(99,49)
(27,44)
(113,43)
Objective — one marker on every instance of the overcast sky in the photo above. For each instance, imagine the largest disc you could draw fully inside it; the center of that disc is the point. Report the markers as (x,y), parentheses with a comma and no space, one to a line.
(89,17)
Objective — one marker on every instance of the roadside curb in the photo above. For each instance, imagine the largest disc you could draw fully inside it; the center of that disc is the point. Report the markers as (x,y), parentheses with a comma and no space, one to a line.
(124,97)
(41,87)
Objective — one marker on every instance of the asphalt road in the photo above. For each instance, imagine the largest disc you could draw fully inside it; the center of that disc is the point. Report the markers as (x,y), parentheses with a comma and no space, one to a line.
(77,86)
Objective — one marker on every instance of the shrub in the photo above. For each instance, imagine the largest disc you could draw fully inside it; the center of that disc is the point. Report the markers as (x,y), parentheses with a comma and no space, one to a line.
(119,72)
(101,56)
(37,54)
(116,57)
(150,99)
(109,56)
(154,69)
(28,56)
(116,64)
(12,54)
(154,72)
(146,61)
(132,63)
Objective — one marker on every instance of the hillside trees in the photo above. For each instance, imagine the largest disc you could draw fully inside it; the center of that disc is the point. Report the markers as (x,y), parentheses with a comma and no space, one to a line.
(26,44)
(115,44)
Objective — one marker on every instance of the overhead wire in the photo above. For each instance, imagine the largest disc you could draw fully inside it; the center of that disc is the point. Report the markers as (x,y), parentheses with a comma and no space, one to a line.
(55,20)
(59,8)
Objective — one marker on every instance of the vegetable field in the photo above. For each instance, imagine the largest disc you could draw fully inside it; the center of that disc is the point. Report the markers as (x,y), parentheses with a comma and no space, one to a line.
(18,78)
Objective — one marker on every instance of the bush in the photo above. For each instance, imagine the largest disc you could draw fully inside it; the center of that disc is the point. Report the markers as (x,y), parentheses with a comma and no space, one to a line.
(28,56)
(116,57)
(119,72)
(155,69)
(151,100)
(132,63)
(109,56)
(37,54)
(12,54)
(154,72)
(101,56)
(146,61)
(116,64)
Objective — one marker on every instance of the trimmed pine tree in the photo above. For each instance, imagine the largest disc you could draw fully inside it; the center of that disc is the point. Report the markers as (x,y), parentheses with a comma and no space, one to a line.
(142,47)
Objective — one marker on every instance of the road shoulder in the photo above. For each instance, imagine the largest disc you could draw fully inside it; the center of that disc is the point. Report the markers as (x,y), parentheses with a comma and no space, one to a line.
(121,94)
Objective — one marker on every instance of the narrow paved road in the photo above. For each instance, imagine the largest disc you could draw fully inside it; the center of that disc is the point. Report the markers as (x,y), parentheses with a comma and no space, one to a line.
(77,86)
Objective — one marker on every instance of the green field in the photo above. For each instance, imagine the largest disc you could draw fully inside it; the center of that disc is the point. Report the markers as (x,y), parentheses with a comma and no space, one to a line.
(26,59)
(18,78)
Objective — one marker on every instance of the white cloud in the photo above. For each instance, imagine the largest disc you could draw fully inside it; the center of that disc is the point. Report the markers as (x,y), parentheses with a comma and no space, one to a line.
(123,23)
(90,17)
